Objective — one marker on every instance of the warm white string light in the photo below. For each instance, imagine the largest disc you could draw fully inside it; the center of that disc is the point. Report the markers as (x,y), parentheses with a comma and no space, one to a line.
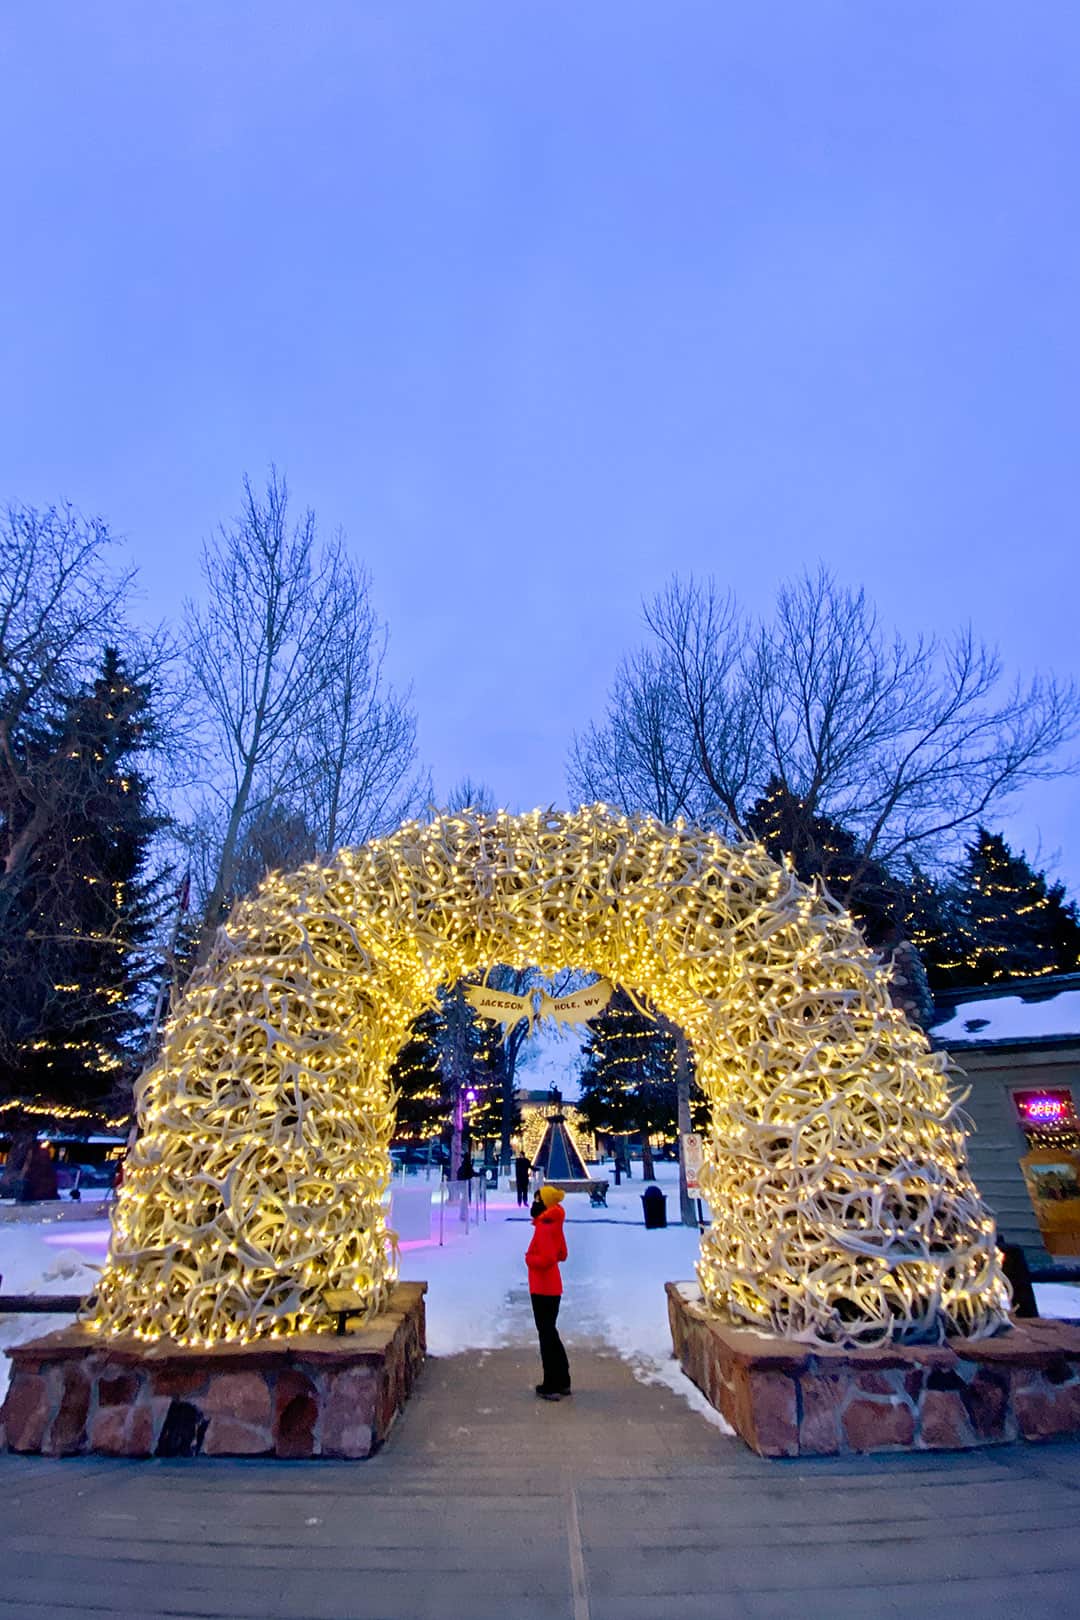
(835,1163)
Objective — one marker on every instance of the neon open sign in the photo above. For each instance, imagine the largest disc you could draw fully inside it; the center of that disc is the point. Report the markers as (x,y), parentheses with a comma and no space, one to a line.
(1043,1107)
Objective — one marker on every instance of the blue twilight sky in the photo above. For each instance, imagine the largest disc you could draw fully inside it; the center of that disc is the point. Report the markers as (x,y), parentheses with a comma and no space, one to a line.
(542,301)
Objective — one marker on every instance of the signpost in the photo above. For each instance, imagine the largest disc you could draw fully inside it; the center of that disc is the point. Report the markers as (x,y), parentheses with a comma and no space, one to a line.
(509,1010)
(692,1149)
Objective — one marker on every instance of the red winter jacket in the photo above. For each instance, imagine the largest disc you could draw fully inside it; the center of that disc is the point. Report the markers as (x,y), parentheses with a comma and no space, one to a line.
(547,1248)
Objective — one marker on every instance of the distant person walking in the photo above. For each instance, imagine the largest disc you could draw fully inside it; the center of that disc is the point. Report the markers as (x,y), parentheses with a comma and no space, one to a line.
(463,1196)
(546,1249)
(521,1179)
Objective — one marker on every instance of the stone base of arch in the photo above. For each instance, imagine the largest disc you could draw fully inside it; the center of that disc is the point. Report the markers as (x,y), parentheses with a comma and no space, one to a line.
(312,1395)
(787,1399)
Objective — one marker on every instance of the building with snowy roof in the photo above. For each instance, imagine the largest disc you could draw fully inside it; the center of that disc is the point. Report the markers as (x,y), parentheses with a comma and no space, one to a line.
(1017,1045)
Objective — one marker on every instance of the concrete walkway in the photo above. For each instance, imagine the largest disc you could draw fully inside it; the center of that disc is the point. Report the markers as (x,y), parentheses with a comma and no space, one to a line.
(486,1503)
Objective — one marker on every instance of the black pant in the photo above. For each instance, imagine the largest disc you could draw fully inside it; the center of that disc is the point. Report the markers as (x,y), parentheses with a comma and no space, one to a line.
(522,1193)
(552,1355)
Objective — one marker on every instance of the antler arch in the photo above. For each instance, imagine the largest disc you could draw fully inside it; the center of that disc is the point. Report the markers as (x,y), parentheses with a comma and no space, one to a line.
(843,1210)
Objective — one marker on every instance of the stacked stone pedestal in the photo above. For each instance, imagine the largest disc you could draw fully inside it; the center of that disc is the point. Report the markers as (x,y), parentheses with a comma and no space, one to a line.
(787,1399)
(313,1395)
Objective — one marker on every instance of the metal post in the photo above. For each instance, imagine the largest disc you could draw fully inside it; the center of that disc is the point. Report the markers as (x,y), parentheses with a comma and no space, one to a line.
(685,1126)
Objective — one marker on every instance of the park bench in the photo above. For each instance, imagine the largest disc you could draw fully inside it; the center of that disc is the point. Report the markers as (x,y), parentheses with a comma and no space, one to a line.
(597,1190)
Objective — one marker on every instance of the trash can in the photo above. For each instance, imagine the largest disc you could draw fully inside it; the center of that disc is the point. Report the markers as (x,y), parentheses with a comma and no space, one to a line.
(1014,1265)
(654,1204)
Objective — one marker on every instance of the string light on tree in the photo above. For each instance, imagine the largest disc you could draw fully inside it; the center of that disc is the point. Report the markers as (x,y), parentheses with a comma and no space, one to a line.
(1007,921)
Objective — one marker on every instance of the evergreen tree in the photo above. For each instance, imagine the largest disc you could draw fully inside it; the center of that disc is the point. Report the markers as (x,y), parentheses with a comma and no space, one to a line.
(901,919)
(77,939)
(423,1102)
(628,1075)
(927,915)
(277,838)
(997,918)
(929,922)
(451,1059)
(1005,921)
(484,1109)
(821,848)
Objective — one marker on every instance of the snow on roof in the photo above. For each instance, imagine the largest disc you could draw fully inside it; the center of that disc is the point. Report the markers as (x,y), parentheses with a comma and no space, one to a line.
(1029,1016)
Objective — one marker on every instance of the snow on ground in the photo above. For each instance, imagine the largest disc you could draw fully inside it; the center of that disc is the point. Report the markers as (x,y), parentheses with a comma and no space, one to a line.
(1058,1299)
(613,1280)
(45,1257)
(477,1284)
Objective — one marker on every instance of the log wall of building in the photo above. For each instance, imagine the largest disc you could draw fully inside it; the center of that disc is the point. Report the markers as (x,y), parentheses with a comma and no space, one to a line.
(997,1144)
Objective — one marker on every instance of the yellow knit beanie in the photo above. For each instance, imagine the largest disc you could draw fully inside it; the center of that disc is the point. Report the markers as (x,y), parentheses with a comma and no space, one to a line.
(551,1195)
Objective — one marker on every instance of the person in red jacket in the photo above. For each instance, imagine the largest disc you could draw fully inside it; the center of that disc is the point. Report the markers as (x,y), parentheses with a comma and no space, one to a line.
(542,1257)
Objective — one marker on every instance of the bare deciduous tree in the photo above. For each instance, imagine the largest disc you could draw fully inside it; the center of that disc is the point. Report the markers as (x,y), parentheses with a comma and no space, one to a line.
(467,795)
(644,753)
(59,606)
(908,743)
(360,778)
(257,651)
(287,657)
(704,646)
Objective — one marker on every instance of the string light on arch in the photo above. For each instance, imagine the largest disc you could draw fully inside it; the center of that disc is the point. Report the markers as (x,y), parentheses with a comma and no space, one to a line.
(843,1211)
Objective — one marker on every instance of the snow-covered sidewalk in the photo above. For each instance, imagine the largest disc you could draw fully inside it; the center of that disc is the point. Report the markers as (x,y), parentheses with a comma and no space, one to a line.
(613,1280)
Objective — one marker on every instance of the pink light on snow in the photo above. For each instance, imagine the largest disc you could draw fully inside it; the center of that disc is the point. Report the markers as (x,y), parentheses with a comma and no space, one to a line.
(93,1238)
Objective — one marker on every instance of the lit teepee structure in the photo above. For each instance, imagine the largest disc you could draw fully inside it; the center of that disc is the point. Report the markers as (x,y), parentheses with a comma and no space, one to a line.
(557,1156)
